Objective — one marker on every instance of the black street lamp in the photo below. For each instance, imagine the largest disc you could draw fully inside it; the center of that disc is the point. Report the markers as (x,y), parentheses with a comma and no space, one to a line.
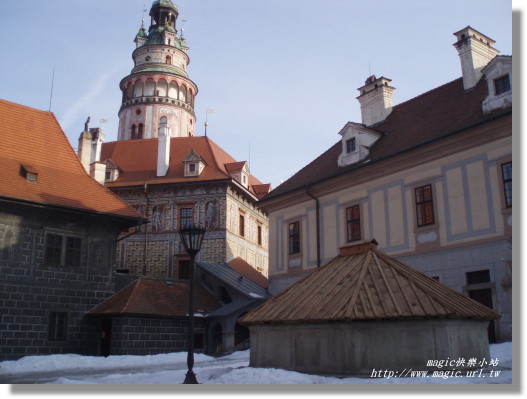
(192,238)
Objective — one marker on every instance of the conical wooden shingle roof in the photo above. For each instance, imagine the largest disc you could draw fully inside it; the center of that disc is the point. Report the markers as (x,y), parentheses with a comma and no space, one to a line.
(363,283)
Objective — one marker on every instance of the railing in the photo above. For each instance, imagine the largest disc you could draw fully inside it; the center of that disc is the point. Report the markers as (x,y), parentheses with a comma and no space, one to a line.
(158,100)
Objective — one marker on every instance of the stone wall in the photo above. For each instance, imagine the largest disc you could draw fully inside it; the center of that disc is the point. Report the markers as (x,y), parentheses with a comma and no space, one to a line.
(32,292)
(151,336)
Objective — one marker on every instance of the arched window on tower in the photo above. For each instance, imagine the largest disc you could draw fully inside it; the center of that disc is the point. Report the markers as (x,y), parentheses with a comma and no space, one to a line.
(169,58)
(162,88)
(182,94)
(133,134)
(140,131)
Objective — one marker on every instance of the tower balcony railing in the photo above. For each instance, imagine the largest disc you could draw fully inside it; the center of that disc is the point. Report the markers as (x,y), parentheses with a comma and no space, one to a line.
(158,100)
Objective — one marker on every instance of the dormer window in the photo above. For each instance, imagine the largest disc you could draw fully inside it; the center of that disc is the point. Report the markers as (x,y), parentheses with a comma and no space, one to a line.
(239,172)
(351,145)
(357,140)
(193,165)
(502,85)
(29,173)
(112,171)
(498,74)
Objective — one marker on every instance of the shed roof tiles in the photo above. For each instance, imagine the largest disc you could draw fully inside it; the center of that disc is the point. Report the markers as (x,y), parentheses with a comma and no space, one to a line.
(363,283)
(33,140)
(137,161)
(156,298)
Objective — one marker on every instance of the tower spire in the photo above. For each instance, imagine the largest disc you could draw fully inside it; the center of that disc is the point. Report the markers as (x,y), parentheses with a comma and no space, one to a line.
(159,85)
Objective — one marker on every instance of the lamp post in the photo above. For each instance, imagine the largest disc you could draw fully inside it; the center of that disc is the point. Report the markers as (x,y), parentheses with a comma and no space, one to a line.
(192,238)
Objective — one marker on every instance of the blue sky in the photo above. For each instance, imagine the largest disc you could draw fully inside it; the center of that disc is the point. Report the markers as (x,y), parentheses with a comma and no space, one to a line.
(281,75)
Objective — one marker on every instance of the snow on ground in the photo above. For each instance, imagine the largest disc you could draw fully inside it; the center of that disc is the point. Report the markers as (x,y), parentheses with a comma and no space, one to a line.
(233,369)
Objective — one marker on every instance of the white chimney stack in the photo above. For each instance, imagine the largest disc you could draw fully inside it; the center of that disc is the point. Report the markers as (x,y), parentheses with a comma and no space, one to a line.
(84,151)
(475,52)
(97,137)
(163,149)
(375,100)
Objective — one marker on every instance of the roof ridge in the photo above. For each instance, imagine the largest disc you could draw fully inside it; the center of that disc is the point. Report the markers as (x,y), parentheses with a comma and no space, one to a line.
(210,144)
(360,281)
(132,292)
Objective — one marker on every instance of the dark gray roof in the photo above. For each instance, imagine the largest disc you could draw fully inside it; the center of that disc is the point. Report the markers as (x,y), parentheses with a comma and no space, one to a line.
(230,308)
(235,280)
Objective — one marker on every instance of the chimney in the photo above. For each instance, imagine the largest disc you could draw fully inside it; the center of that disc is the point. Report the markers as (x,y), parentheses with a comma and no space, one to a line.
(97,137)
(98,172)
(84,151)
(375,100)
(475,52)
(163,148)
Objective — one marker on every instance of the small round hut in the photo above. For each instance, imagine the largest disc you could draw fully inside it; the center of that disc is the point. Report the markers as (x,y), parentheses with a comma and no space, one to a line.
(362,312)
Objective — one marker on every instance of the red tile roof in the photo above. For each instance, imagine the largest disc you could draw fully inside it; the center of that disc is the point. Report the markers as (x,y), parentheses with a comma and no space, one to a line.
(156,298)
(234,167)
(364,283)
(443,111)
(34,140)
(137,161)
(246,270)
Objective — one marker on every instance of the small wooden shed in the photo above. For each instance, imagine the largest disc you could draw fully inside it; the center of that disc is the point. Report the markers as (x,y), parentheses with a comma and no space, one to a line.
(365,311)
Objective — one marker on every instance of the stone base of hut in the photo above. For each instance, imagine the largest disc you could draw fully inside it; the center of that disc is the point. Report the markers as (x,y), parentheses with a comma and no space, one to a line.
(361,347)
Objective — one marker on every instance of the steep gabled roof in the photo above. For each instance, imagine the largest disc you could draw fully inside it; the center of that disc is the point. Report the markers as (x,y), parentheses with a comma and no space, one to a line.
(443,111)
(34,139)
(363,283)
(137,161)
(156,298)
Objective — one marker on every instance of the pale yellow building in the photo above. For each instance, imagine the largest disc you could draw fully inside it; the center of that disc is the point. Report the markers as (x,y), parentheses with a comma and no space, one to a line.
(430,179)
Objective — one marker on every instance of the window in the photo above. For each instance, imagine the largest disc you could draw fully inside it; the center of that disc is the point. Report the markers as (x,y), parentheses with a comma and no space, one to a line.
(351,145)
(478,277)
(353,223)
(168,59)
(242,226)
(185,217)
(192,167)
(53,254)
(73,251)
(259,235)
(506,170)
(140,131)
(62,250)
(502,85)
(183,269)
(133,132)
(424,205)
(107,175)
(294,238)
(57,326)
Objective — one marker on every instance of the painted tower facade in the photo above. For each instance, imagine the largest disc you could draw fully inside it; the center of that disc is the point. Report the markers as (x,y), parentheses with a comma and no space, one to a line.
(174,178)
(158,85)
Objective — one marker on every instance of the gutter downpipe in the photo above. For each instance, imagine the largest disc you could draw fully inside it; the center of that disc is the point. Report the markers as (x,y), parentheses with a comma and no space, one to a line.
(317,202)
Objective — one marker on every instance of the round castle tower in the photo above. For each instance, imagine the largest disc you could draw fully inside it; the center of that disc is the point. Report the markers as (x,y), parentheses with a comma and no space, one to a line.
(158,85)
